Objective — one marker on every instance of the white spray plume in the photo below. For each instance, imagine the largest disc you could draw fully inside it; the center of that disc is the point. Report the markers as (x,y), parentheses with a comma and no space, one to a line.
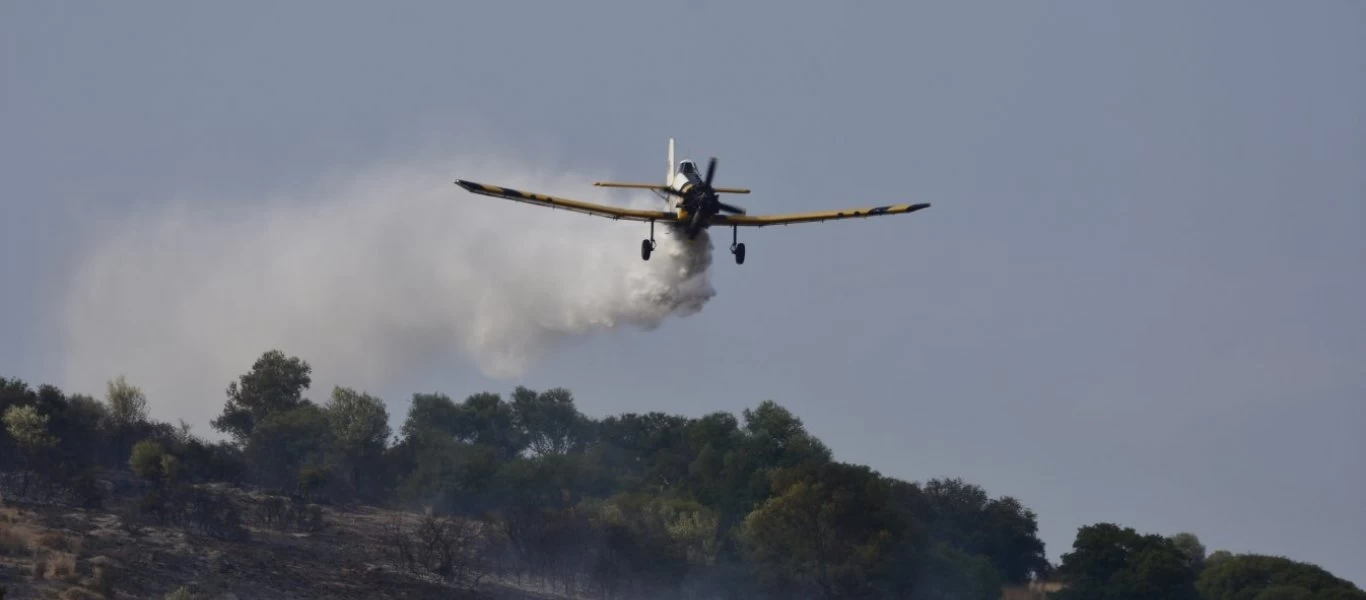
(365,277)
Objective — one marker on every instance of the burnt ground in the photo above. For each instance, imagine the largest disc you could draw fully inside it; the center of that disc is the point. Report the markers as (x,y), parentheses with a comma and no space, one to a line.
(49,551)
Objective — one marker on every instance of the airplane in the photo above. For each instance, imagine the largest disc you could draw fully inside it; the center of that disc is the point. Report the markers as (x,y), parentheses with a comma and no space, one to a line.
(695,204)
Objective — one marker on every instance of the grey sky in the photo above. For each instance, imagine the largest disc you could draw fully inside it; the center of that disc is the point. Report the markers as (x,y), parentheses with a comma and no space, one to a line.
(1137,297)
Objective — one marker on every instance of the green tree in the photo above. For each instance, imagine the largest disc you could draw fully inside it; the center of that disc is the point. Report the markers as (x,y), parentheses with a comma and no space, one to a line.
(487,420)
(550,422)
(284,442)
(150,460)
(779,439)
(827,530)
(961,514)
(431,413)
(647,451)
(28,430)
(1190,546)
(274,384)
(1115,563)
(653,540)
(451,476)
(127,404)
(360,430)
(1262,577)
(948,573)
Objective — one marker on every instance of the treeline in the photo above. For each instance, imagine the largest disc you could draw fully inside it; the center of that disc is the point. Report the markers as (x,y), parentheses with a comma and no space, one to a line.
(527,487)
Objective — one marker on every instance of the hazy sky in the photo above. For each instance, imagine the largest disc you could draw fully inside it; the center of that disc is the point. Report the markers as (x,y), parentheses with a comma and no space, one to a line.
(1137,297)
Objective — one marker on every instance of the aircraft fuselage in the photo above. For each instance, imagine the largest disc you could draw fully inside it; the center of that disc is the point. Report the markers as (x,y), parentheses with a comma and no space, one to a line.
(694,198)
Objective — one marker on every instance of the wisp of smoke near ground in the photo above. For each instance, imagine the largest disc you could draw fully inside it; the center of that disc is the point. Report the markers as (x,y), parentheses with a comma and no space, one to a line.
(366,276)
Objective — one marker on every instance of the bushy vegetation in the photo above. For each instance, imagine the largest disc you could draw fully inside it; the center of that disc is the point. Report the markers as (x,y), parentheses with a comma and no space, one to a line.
(527,488)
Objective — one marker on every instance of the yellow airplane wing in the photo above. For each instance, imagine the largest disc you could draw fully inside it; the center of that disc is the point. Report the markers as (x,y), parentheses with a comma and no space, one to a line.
(812,217)
(601,210)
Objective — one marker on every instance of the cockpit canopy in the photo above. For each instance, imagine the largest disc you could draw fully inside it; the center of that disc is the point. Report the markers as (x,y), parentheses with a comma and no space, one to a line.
(687,167)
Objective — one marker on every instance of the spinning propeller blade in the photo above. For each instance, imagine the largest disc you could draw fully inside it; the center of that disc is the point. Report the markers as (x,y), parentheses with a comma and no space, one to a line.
(731,208)
(711,172)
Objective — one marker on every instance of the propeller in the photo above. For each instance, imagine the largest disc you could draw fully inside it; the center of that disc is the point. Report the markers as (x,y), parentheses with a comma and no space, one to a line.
(730,208)
(711,172)
(706,185)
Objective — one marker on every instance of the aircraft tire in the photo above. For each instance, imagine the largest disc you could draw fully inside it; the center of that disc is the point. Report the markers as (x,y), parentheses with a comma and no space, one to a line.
(645,248)
(740,253)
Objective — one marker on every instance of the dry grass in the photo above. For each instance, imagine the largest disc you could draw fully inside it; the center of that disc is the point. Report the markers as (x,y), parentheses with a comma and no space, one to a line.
(80,593)
(54,540)
(14,541)
(55,566)
(1030,591)
(181,593)
(101,581)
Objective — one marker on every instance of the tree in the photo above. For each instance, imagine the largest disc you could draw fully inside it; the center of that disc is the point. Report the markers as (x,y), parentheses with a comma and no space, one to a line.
(948,573)
(1111,562)
(360,430)
(648,451)
(430,413)
(1261,577)
(827,531)
(779,439)
(652,540)
(487,420)
(29,432)
(275,384)
(28,429)
(962,515)
(483,418)
(1190,546)
(150,460)
(285,442)
(450,476)
(1216,557)
(549,420)
(127,403)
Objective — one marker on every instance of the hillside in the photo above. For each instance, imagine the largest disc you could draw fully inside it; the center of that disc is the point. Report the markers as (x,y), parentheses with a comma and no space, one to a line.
(51,551)
(502,498)
(61,552)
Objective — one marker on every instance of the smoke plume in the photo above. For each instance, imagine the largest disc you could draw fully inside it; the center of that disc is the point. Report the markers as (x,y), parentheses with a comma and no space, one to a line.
(366,276)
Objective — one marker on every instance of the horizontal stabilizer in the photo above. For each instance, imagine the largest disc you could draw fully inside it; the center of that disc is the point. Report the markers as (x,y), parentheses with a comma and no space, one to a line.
(638,186)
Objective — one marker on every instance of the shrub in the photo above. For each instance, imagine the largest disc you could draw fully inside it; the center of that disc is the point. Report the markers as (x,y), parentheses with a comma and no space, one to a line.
(451,549)
(147,459)
(294,514)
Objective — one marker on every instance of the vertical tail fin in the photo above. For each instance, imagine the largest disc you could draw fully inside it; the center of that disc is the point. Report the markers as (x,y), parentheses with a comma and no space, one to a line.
(669,179)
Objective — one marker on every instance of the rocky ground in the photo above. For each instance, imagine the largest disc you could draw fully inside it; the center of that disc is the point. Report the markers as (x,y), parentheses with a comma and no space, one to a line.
(49,551)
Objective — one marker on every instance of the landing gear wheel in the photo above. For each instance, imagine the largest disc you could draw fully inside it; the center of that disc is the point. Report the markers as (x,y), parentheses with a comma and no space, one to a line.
(646,246)
(736,247)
